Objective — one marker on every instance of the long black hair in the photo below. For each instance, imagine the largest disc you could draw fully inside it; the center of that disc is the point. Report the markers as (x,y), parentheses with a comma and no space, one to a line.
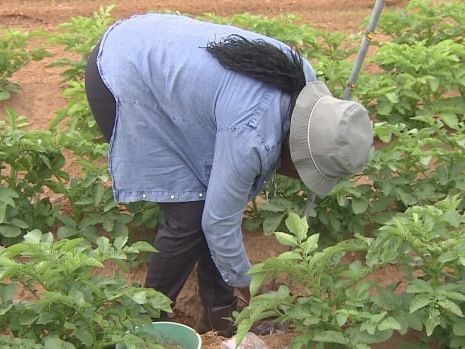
(263,61)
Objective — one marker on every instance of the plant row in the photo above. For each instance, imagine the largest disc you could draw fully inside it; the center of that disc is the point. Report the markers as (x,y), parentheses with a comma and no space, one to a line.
(405,211)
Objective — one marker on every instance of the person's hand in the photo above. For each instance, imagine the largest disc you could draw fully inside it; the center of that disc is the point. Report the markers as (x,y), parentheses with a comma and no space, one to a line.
(245,292)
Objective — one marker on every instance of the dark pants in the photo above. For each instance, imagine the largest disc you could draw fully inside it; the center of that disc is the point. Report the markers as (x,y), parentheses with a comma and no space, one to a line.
(101,101)
(181,243)
(180,240)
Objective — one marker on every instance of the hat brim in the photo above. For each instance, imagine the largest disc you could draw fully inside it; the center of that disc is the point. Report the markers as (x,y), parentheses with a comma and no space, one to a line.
(298,139)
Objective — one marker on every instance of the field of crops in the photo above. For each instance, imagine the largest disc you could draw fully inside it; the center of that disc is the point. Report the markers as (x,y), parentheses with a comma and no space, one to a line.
(381,258)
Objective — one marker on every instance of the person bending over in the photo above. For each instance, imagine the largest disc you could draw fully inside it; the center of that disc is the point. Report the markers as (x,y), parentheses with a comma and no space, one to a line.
(199,116)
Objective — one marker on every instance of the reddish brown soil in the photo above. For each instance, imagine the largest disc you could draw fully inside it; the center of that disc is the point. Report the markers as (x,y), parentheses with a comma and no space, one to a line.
(41,87)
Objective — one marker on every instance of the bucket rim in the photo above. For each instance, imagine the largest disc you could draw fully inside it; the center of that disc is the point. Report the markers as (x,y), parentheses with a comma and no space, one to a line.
(181,325)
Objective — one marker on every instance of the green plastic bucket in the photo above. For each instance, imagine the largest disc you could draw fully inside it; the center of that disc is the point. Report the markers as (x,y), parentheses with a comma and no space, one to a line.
(172,333)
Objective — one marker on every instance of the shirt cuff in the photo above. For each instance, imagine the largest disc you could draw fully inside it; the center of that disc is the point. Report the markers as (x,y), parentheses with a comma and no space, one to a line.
(236,277)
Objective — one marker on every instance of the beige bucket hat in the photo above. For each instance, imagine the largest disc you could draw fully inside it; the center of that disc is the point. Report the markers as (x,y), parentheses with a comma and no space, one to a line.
(329,138)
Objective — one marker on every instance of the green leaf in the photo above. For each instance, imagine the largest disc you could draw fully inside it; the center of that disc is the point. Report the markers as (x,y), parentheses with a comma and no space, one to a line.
(330,337)
(448,256)
(57,343)
(341,317)
(143,246)
(432,322)
(384,108)
(68,221)
(286,239)
(289,255)
(293,222)
(120,230)
(112,204)
(451,307)
(9,231)
(311,244)
(455,296)
(389,323)
(26,318)
(415,321)
(272,222)
(384,134)
(459,328)
(120,241)
(456,342)
(297,225)
(392,97)
(66,232)
(45,318)
(450,119)
(341,199)
(99,190)
(420,301)
(77,296)
(108,223)
(48,238)
(93,262)
(46,161)
(139,297)
(84,202)
(4,95)
(33,237)
(359,205)
(7,293)
(362,346)
(70,245)
(7,195)
(452,218)
(419,286)
(2,212)
(276,205)
(434,84)
(85,337)
(256,283)
(19,223)
(425,161)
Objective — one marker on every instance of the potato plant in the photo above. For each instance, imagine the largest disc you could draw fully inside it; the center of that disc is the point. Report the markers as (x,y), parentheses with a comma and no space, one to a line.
(425,21)
(93,209)
(71,304)
(419,80)
(330,300)
(79,36)
(30,161)
(417,99)
(13,55)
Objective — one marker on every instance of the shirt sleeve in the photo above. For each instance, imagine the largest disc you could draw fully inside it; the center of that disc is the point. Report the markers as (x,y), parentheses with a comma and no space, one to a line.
(309,72)
(237,161)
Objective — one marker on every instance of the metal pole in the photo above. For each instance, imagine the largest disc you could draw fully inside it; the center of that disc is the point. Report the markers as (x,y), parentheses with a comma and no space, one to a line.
(367,37)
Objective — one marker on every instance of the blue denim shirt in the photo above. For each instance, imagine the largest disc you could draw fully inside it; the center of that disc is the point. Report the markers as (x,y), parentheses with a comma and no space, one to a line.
(188,129)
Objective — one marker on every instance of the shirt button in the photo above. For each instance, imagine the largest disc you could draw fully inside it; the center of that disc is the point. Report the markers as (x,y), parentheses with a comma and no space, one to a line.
(172,196)
(200,194)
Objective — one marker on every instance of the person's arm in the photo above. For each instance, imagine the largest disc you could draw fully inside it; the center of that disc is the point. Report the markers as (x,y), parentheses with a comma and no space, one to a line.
(237,162)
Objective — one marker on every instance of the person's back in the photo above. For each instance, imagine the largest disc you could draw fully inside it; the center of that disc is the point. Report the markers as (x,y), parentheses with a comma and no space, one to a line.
(157,67)
(164,56)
